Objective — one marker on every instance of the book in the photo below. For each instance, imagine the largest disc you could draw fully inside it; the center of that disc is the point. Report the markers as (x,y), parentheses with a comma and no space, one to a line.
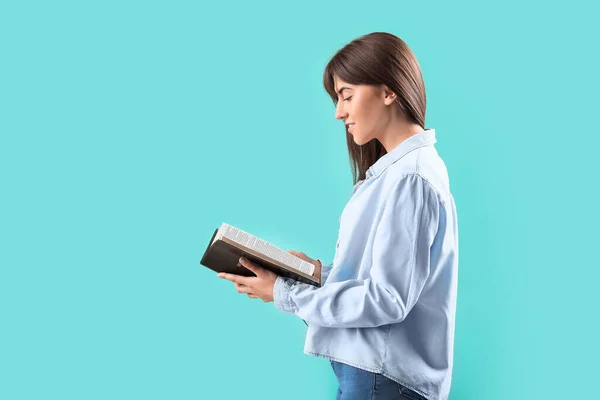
(229,243)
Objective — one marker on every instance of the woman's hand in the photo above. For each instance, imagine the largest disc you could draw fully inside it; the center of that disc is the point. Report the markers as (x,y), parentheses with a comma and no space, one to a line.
(304,257)
(256,287)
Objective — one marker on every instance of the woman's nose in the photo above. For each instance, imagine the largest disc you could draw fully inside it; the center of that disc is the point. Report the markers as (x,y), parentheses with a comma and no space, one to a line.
(340,113)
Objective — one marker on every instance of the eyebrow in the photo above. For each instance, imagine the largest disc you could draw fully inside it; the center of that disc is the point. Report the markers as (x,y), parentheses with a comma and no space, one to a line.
(342,89)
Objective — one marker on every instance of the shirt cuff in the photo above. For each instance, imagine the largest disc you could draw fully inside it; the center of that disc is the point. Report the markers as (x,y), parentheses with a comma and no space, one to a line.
(282,296)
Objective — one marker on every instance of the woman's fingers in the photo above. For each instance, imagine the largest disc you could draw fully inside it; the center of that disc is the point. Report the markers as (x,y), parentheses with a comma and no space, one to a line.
(245,289)
(301,256)
(298,254)
(242,288)
(238,279)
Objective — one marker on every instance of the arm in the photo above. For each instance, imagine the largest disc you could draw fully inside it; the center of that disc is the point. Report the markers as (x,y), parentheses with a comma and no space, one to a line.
(400,268)
(325,270)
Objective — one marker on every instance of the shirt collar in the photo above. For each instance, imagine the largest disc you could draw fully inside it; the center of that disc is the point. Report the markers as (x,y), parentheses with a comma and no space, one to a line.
(425,138)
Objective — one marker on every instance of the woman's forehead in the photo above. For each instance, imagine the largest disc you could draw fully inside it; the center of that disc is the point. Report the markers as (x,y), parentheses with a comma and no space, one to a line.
(339,84)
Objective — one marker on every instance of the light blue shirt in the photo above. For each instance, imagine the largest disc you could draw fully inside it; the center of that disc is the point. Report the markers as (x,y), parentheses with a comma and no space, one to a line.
(388,301)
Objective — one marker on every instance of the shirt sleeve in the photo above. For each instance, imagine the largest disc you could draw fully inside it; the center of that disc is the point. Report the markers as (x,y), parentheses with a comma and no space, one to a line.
(325,270)
(400,268)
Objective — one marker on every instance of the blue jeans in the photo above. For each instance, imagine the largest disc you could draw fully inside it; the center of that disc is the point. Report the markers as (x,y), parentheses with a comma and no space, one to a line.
(357,384)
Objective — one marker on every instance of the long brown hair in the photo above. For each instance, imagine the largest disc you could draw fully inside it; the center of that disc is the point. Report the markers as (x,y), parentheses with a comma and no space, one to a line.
(374,59)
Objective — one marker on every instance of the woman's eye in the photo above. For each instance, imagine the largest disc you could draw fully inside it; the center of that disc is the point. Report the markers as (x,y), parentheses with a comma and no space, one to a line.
(348,98)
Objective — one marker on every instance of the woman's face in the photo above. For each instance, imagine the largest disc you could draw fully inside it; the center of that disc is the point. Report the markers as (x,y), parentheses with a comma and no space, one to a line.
(363,109)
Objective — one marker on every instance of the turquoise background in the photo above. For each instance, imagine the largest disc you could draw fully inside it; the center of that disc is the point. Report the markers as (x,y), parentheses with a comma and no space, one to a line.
(131,130)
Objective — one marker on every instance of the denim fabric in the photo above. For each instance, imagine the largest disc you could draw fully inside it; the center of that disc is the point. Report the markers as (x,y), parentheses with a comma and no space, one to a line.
(357,384)
(387,301)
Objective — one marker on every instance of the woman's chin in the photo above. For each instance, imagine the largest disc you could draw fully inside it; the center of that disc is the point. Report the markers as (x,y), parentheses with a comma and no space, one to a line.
(358,140)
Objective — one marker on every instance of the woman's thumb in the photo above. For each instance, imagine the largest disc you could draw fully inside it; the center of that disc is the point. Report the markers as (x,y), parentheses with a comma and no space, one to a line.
(296,253)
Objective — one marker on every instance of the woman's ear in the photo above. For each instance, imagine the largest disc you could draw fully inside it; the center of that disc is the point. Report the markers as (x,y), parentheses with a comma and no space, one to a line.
(389,96)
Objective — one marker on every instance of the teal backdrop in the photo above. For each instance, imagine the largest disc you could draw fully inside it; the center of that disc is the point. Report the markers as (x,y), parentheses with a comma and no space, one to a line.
(130,130)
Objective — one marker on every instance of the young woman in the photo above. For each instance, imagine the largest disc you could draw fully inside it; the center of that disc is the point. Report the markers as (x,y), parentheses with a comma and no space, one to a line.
(384,315)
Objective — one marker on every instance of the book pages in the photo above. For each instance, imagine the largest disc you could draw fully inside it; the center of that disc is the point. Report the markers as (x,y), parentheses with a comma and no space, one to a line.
(264,247)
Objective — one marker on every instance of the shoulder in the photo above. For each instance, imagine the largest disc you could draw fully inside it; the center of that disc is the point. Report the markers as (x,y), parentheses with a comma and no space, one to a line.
(412,189)
(422,172)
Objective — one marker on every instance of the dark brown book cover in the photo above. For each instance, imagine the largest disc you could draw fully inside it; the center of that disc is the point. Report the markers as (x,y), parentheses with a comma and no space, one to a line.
(224,254)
